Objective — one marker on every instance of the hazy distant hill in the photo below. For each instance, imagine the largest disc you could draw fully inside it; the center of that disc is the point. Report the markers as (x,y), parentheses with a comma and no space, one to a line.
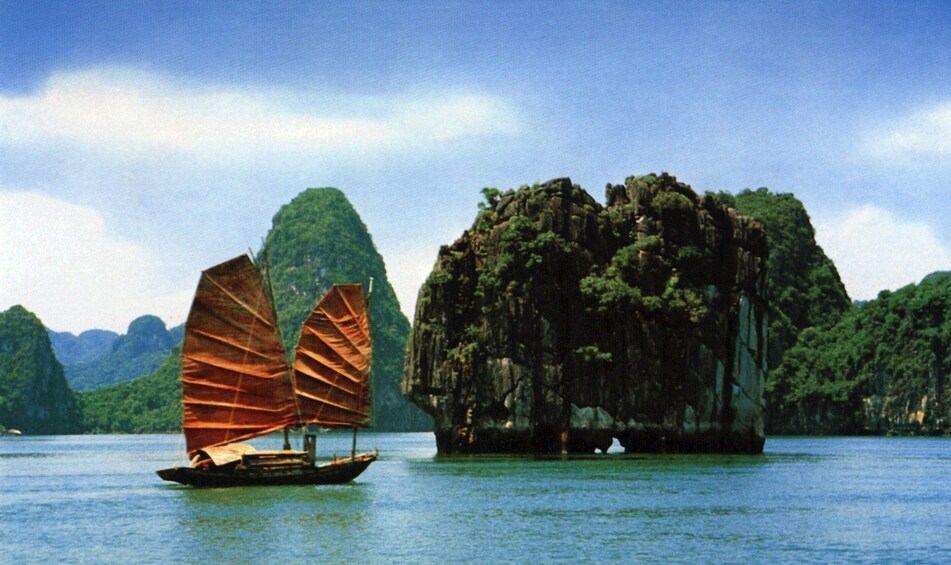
(34,396)
(86,347)
(137,353)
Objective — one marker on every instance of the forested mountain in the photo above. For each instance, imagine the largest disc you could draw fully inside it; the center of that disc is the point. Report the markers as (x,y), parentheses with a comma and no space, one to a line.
(875,367)
(316,241)
(802,284)
(34,396)
(884,367)
(146,405)
(319,240)
(137,353)
(88,346)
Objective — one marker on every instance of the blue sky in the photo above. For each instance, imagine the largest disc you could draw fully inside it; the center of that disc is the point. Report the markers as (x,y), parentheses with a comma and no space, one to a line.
(141,142)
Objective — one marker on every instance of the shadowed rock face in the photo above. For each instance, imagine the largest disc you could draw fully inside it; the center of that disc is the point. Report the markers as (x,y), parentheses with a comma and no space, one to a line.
(558,324)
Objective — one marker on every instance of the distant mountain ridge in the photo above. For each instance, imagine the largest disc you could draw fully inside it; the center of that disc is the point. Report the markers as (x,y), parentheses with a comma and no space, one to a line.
(86,347)
(139,352)
(150,404)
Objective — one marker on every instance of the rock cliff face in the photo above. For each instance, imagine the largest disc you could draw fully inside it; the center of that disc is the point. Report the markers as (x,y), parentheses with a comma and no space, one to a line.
(557,324)
(34,396)
(803,285)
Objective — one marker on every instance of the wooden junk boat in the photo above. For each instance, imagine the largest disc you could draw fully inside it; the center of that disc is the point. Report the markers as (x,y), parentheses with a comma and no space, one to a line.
(237,383)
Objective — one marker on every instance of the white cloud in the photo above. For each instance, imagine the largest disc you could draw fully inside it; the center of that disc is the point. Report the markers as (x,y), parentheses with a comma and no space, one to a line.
(119,109)
(59,261)
(875,250)
(926,133)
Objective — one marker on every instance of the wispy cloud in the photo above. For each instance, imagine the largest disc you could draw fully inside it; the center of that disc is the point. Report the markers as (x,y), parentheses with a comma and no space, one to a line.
(875,250)
(923,134)
(196,164)
(60,262)
(117,108)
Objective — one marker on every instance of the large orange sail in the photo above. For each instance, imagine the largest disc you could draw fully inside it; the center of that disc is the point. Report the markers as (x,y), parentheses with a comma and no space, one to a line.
(332,364)
(235,379)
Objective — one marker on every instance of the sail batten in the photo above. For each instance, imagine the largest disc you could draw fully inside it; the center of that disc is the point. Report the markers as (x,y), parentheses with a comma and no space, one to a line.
(336,386)
(235,377)
(244,369)
(360,346)
(253,311)
(356,353)
(328,364)
(229,405)
(324,400)
(234,344)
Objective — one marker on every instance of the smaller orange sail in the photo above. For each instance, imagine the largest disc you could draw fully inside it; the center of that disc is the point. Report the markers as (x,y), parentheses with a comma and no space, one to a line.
(332,364)
(236,383)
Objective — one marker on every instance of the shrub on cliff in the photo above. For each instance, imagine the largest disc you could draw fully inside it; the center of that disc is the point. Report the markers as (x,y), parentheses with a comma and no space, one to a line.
(883,367)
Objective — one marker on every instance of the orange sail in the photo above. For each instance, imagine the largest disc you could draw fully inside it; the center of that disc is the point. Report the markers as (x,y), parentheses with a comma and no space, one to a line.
(235,379)
(332,364)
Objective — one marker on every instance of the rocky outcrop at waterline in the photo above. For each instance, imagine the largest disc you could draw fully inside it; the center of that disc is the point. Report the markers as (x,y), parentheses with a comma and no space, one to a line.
(558,324)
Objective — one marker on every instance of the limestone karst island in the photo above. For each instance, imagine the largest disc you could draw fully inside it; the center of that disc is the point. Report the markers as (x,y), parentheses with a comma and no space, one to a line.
(663,320)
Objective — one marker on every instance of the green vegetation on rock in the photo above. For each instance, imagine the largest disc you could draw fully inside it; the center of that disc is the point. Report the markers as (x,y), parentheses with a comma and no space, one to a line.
(316,241)
(146,405)
(803,286)
(34,395)
(882,368)
(556,323)
(319,240)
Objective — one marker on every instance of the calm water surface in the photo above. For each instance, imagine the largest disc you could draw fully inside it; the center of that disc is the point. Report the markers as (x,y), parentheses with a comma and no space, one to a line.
(96,499)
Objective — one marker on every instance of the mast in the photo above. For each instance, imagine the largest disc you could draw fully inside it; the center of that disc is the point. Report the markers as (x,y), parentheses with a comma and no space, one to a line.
(353,449)
(266,269)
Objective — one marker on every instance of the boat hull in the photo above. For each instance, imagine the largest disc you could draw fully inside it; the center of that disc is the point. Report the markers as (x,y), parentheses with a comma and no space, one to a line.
(337,472)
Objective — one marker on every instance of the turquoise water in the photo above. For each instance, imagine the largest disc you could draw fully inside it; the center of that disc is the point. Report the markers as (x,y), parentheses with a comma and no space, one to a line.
(96,499)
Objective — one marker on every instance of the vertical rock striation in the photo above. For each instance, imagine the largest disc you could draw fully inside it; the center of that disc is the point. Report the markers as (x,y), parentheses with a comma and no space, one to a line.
(558,324)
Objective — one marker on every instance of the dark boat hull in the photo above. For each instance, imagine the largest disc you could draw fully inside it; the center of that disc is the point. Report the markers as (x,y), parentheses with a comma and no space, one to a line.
(336,472)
